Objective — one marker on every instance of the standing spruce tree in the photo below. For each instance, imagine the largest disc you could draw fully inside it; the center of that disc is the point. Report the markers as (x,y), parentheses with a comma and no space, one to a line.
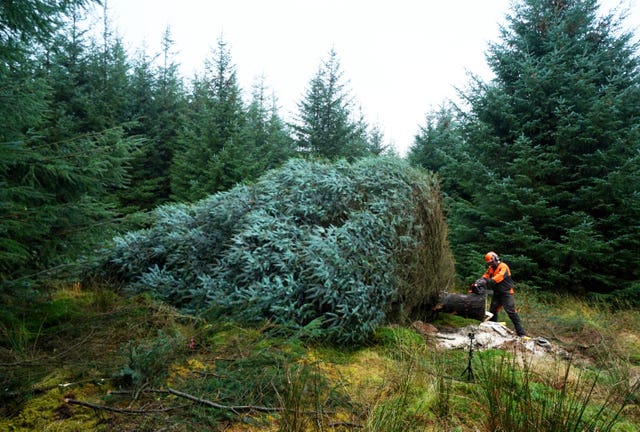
(325,126)
(437,140)
(158,104)
(549,167)
(206,160)
(170,109)
(377,143)
(265,141)
(56,174)
(146,162)
(28,24)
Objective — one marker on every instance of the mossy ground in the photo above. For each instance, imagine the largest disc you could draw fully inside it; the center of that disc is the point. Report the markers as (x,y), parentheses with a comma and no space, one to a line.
(123,355)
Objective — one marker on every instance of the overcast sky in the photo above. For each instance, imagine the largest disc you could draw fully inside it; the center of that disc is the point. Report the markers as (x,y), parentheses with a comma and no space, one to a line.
(402,58)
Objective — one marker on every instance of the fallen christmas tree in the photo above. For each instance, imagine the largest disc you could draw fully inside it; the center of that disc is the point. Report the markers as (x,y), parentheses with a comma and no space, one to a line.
(349,246)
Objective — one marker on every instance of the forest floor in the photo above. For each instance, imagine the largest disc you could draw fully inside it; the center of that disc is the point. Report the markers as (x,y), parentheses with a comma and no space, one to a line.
(93,360)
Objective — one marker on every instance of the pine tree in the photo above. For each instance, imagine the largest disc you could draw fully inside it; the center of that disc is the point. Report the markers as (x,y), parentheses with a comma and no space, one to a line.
(207,156)
(377,144)
(28,24)
(265,137)
(57,175)
(325,126)
(158,104)
(170,107)
(549,168)
(436,140)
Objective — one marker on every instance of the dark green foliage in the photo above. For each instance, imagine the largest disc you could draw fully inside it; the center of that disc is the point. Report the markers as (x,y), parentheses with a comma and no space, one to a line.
(24,24)
(544,167)
(222,141)
(436,140)
(357,245)
(264,139)
(52,196)
(623,298)
(377,145)
(57,172)
(148,362)
(158,106)
(326,126)
(207,158)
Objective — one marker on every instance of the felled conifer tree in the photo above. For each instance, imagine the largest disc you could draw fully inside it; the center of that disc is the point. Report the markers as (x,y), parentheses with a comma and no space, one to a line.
(354,246)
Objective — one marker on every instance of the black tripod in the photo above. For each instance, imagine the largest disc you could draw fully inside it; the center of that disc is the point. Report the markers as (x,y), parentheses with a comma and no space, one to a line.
(469,369)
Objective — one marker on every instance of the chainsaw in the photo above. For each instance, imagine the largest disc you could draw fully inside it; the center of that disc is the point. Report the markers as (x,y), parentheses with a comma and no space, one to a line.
(478,287)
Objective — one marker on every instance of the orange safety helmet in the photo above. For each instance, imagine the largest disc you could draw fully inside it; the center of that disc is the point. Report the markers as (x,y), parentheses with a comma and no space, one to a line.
(491,256)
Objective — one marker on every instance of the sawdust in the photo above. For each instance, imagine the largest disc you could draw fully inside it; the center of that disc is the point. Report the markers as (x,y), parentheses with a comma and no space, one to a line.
(487,335)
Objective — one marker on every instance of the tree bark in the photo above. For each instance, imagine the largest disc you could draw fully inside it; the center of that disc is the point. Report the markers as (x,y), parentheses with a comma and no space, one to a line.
(465,305)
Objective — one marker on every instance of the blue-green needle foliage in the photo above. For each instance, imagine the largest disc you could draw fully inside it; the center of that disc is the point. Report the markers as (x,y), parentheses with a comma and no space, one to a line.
(352,245)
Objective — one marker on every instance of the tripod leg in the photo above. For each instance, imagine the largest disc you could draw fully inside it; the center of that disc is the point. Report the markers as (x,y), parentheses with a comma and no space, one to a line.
(469,369)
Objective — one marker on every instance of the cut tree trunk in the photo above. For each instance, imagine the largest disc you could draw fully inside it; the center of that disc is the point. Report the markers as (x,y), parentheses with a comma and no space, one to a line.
(465,305)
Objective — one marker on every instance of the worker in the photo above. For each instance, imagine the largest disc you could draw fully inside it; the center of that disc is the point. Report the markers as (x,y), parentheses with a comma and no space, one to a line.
(498,278)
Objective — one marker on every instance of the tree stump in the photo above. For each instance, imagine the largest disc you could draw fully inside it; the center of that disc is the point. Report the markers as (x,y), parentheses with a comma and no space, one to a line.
(465,305)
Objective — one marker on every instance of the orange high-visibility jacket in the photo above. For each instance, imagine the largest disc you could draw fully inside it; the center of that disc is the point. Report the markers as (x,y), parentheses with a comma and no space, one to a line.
(499,279)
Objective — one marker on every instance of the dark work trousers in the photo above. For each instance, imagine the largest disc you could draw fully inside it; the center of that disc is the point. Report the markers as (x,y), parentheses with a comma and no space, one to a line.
(506,301)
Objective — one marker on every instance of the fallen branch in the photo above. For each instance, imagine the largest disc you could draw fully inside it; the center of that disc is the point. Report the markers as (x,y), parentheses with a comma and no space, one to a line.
(119,410)
(40,390)
(206,402)
(234,408)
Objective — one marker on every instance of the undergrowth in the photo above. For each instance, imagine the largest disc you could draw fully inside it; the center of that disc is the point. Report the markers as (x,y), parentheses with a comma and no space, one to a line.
(518,398)
(101,362)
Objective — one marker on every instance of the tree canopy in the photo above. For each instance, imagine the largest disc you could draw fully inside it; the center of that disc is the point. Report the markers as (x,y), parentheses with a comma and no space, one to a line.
(62,156)
(540,163)
(92,137)
(543,165)
(327,125)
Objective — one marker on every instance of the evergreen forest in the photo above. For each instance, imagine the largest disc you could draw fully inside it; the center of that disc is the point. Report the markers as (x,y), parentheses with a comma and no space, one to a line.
(542,162)
(172,215)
